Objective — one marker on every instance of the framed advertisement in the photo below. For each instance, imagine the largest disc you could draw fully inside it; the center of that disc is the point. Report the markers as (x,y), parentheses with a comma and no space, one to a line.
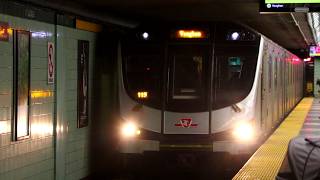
(83,71)
(21,83)
(51,63)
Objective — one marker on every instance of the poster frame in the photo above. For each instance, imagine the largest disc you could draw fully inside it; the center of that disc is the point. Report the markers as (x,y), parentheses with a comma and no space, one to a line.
(15,98)
(83,77)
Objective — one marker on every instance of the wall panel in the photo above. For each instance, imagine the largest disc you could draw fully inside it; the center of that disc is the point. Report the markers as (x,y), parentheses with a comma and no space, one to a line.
(74,144)
(31,158)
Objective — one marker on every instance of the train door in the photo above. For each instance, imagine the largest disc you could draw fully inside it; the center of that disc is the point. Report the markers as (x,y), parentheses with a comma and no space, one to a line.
(277,97)
(290,85)
(186,110)
(294,83)
(287,84)
(274,90)
(266,90)
(285,77)
(283,85)
(279,89)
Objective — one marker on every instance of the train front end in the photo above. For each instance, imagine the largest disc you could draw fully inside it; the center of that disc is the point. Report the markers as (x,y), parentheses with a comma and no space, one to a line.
(189,87)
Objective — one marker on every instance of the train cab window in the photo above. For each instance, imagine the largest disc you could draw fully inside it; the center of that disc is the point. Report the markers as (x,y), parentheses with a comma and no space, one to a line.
(234,75)
(235,67)
(235,59)
(143,67)
(187,78)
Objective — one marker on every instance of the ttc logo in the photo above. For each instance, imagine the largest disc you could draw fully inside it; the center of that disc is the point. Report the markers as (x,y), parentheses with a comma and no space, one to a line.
(186,123)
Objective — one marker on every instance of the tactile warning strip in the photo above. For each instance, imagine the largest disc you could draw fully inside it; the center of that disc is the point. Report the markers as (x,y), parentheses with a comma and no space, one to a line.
(266,161)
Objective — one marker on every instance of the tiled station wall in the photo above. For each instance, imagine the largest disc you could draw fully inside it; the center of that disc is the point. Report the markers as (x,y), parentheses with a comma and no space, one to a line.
(76,141)
(32,158)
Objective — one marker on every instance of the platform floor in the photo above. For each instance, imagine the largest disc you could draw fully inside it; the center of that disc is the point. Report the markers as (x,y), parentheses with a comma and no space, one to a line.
(267,160)
(311,126)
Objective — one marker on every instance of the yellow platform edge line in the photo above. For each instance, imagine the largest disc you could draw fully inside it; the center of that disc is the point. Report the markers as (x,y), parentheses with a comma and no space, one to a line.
(266,161)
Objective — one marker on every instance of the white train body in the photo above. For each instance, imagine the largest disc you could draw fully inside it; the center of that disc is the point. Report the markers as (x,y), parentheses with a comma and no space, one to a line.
(221,124)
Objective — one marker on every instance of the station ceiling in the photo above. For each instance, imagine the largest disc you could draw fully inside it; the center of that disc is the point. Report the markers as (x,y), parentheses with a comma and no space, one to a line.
(291,30)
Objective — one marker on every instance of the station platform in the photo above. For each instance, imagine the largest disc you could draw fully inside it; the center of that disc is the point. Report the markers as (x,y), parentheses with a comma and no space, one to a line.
(270,158)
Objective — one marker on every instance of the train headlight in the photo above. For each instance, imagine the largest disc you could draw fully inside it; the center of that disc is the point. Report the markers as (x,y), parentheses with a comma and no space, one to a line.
(129,129)
(244,131)
(145,35)
(235,36)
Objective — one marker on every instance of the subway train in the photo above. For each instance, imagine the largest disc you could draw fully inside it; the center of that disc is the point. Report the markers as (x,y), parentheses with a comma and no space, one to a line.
(214,87)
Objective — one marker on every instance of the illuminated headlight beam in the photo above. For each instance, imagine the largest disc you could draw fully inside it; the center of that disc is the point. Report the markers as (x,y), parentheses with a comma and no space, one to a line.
(244,132)
(129,129)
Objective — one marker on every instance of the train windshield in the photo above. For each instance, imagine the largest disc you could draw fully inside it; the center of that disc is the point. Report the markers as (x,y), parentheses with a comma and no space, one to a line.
(191,75)
(188,67)
(143,74)
(235,59)
(234,77)
(188,77)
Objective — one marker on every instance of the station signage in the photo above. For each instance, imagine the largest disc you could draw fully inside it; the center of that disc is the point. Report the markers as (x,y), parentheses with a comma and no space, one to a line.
(289,6)
(314,51)
(51,67)
(190,34)
(4,31)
